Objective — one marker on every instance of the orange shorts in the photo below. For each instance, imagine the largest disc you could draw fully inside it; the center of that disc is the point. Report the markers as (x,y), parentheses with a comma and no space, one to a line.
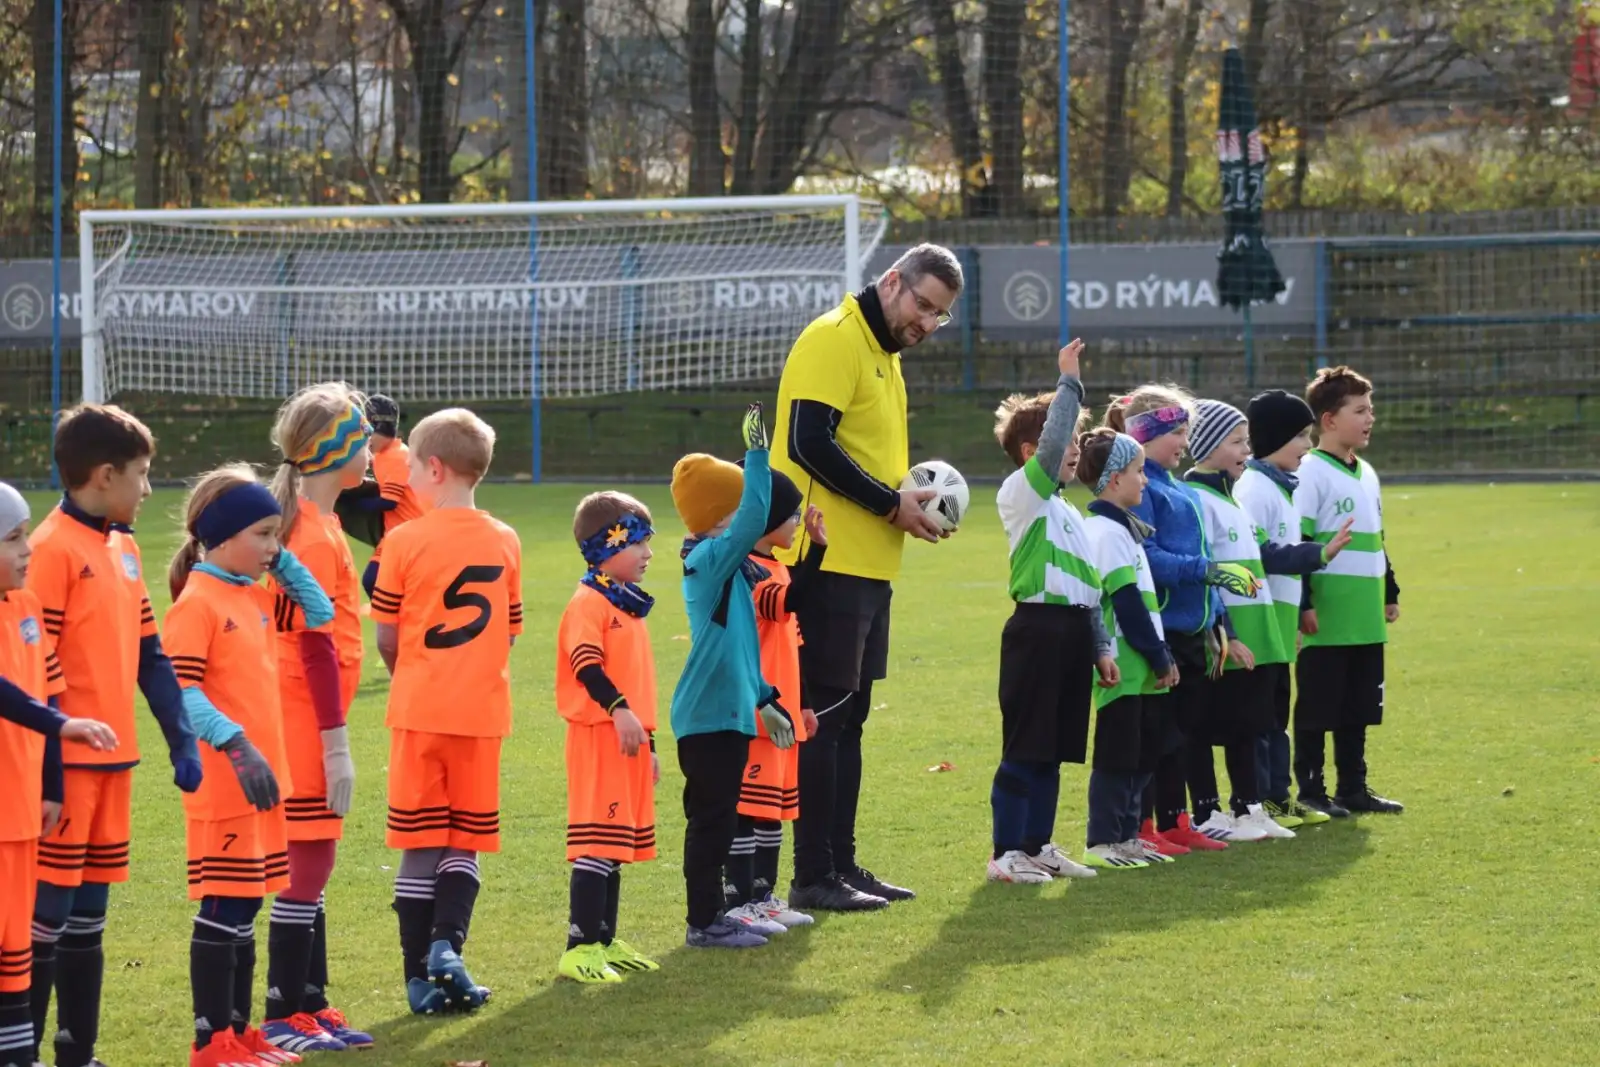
(17,886)
(770,789)
(611,798)
(246,856)
(310,818)
(444,791)
(91,842)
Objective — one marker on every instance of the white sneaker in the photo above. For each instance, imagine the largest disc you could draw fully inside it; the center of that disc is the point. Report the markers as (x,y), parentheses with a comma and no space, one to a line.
(754,919)
(1256,817)
(1112,857)
(777,909)
(1015,866)
(1149,853)
(1059,864)
(1224,827)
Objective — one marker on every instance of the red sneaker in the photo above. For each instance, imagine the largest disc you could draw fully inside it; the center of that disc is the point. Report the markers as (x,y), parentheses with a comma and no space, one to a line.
(1185,834)
(1159,842)
(257,1044)
(224,1051)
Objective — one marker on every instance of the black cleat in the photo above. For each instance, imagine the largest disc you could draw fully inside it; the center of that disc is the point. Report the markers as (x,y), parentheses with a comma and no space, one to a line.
(1325,804)
(1367,802)
(869,883)
(832,894)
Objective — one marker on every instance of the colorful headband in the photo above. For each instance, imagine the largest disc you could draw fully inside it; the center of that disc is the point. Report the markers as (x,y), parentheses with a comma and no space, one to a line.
(341,442)
(1149,425)
(625,532)
(1124,450)
(235,510)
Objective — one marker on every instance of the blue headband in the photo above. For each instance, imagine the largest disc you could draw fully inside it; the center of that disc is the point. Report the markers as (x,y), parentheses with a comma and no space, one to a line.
(235,510)
(1124,450)
(625,532)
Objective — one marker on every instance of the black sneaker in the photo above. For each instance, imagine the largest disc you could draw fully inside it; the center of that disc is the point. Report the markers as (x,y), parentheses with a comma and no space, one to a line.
(832,894)
(869,883)
(1367,802)
(1325,804)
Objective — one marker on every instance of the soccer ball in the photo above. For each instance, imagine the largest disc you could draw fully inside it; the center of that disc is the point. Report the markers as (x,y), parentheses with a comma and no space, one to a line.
(950,505)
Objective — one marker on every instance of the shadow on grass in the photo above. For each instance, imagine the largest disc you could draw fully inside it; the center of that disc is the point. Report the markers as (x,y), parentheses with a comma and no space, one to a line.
(707,994)
(1010,924)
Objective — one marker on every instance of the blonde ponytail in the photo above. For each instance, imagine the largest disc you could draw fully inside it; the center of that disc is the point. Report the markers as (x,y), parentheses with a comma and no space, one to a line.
(1148,397)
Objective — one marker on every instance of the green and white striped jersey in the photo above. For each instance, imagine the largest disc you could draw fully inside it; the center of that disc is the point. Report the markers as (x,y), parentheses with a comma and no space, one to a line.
(1050,560)
(1348,593)
(1120,561)
(1270,507)
(1233,539)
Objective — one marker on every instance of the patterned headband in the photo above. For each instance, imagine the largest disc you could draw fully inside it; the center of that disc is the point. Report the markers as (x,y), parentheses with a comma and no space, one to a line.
(1149,425)
(340,443)
(1124,450)
(624,533)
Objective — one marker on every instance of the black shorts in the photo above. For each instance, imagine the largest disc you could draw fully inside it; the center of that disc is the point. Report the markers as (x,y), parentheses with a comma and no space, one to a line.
(1047,672)
(1240,707)
(1339,686)
(1120,732)
(845,629)
(1183,710)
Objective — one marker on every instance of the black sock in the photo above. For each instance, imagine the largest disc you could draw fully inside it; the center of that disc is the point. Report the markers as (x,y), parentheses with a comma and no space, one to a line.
(1240,758)
(211,966)
(80,972)
(416,922)
(742,861)
(244,976)
(455,892)
(317,975)
(16,1028)
(769,844)
(44,983)
(613,902)
(1170,790)
(289,936)
(586,901)
(1200,765)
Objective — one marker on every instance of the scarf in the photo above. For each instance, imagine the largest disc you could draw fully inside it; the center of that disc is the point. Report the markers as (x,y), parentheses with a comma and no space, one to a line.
(598,547)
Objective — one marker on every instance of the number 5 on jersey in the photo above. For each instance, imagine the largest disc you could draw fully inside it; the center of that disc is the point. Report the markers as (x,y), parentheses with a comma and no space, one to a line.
(457,597)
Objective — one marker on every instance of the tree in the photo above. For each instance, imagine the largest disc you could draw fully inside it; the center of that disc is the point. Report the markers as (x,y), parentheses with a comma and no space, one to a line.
(437,32)
(1178,106)
(966,138)
(707,161)
(1124,20)
(154,43)
(1002,92)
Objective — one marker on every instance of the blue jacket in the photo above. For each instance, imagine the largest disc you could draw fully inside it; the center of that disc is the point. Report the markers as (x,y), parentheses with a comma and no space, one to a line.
(721,685)
(1178,553)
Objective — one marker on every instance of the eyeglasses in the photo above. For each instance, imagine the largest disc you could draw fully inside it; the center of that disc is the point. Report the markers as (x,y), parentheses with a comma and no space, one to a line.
(928,309)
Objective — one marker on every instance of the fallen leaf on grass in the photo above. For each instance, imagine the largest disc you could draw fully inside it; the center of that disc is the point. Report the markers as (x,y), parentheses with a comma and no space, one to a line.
(942,767)
(466,1063)
(1508,790)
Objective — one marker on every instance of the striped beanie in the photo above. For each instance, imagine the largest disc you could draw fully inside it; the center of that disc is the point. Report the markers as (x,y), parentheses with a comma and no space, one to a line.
(1213,422)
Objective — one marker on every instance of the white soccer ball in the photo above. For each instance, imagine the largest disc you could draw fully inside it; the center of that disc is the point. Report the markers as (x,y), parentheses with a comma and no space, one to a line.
(950,505)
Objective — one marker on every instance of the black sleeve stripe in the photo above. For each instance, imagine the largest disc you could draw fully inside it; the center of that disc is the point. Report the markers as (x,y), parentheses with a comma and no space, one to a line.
(283,612)
(61,613)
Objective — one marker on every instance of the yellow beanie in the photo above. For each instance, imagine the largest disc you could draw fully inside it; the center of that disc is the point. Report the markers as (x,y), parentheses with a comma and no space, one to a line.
(705,490)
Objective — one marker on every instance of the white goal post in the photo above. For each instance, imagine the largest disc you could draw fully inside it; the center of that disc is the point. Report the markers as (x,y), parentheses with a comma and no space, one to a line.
(460,302)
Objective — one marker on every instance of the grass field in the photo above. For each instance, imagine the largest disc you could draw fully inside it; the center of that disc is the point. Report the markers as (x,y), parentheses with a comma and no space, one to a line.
(1459,933)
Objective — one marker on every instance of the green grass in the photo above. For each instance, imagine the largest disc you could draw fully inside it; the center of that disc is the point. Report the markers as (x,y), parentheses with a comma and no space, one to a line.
(1459,933)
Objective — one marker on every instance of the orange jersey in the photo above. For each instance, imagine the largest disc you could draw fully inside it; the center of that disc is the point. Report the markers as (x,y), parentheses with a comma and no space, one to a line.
(779,631)
(392,469)
(318,542)
(220,638)
(90,583)
(596,632)
(28,662)
(451,583)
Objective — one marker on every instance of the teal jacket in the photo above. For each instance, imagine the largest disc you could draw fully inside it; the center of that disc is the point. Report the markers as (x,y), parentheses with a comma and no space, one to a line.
(721,685)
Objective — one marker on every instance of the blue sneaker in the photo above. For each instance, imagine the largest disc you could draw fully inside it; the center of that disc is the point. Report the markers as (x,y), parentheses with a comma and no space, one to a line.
(449,973)
(333,1021)
(426,998)
(300,1033)
(723,934)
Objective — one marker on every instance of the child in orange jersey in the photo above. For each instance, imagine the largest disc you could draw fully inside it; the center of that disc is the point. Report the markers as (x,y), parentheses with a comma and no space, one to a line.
(448,605)
(30,799)
(322,435)
(220,634)
(769,793)
(89,578)
(606,690)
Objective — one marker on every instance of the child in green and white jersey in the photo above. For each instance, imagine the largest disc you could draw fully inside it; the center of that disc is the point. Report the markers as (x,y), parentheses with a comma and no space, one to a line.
(1349,605)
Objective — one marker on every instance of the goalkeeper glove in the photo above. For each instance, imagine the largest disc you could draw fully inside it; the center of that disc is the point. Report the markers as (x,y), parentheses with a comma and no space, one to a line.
(339,769)
(755,434)
(260,785)
(780,727)
(1233,577)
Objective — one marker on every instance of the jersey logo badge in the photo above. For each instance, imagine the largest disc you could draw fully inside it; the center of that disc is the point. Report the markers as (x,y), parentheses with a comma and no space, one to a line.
(229,626)
(616,623)
(879,371)
(30,630)
(130,566)
(87,572)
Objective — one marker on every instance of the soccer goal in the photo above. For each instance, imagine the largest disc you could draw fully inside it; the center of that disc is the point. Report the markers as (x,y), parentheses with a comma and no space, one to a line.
(462,302)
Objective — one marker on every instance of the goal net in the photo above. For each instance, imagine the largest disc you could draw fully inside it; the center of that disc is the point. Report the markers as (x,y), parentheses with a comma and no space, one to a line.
(462,302)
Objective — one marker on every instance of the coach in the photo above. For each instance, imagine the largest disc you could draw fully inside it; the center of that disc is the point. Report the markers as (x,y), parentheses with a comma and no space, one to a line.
(842,436)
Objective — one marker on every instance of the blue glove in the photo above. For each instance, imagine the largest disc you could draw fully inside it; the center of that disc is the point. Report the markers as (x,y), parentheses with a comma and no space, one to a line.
(186,770)
(302,588)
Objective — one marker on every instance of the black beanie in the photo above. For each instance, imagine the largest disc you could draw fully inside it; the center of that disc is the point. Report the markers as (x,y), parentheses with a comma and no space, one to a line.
(1276,418)
(384,415)
(786,500)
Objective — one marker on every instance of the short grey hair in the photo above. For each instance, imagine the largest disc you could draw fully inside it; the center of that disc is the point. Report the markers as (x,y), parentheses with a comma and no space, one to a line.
(929,260)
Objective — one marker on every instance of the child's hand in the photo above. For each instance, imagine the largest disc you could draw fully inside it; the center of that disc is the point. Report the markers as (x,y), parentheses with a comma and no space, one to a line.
(1110,675)
(1339,541)
(630,734)
(1067,358)
(97,735)
(755,434)
(1170,679)
(1308,621)
(1391,613)
(51,817)
(816,529)
(1241,655)
(655,769)
(809,718)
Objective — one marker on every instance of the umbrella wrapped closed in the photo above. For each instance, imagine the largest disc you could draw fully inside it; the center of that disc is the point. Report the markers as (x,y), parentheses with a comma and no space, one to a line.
(1246,271)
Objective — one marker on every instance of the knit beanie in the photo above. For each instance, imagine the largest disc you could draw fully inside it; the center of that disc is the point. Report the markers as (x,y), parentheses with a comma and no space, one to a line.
(1213,422)
(13,509)
(705,490)
(1276,418)
(786,500)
